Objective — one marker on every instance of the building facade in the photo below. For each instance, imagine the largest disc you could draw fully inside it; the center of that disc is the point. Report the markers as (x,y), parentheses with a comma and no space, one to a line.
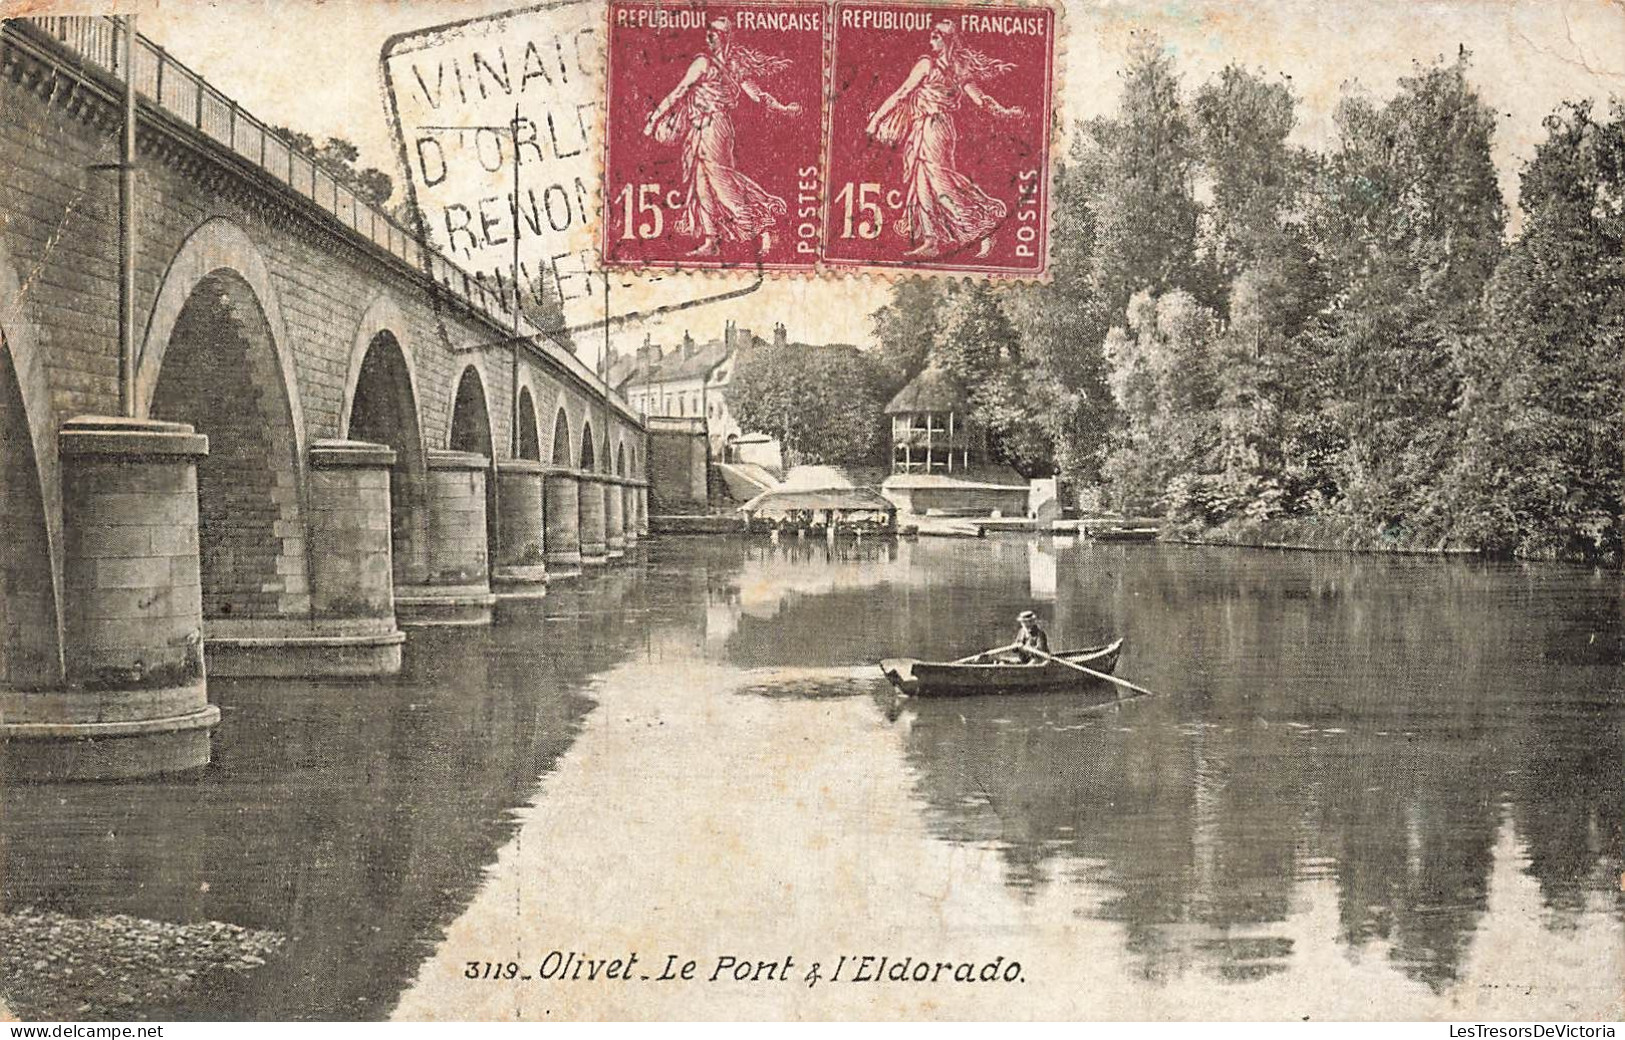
(691,380)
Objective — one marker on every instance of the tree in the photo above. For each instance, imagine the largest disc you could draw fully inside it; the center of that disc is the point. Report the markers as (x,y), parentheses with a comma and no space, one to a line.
(338,157)
(1408,225)
(1256,179)
(979,343)
(1255,243)
(1275,451)
(1126,221)
(1163,369)
(1541,468)
(975,338)
(906,327)
(1140,168)
(374,185)
(1061,326)
(823,403)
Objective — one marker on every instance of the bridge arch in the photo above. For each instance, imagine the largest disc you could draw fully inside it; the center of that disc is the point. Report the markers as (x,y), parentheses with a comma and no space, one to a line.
(626,451)
(589,450)
(216,367)
(30,502)
(470,428)
(562,453)
(218,244)
(529,444)
(381,407)
(383,315)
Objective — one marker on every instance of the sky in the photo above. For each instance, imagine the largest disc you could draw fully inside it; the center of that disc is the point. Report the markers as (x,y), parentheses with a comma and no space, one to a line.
(315,67)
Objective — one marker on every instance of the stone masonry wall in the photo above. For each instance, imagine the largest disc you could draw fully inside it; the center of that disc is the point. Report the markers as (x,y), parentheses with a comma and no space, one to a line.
(59,232)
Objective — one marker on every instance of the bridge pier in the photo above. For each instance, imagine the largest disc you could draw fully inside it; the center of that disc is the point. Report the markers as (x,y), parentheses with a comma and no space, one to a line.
(629,514)
(134,700)
(350,630)
(614,518)
(594,547)
(563,524)
(520,568)
(643,509)
(457,590)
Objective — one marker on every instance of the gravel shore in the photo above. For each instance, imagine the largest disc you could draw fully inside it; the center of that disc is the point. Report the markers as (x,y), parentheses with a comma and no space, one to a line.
(59,968)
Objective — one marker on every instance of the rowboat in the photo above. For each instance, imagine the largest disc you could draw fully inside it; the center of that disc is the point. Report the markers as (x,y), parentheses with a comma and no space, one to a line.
(955,679)
(1124,534)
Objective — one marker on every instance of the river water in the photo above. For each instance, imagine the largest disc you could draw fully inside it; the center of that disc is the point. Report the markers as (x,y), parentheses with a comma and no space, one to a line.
(1368,787)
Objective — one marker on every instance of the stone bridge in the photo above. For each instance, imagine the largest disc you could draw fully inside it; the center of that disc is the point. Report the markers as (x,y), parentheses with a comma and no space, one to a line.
(326,431)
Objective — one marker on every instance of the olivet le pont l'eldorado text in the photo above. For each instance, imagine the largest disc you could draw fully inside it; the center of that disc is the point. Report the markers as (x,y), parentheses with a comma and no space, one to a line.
(569,966)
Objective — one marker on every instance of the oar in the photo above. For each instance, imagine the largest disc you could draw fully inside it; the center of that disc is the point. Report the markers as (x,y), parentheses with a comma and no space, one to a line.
(1089,671)
(995,650)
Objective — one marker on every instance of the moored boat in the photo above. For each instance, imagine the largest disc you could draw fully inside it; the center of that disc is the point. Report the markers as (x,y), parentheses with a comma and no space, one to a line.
(960,679)
(1125,534)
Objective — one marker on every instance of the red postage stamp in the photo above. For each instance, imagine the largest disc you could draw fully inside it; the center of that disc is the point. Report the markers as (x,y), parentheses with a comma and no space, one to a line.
(938,151)
(714,135)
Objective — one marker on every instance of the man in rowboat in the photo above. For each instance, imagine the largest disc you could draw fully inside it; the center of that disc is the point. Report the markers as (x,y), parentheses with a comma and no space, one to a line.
(1029,636)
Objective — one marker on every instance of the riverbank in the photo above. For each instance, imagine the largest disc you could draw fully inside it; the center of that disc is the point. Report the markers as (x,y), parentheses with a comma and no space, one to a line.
(1322,534)
(62,968)
(697,523)
(1310,534)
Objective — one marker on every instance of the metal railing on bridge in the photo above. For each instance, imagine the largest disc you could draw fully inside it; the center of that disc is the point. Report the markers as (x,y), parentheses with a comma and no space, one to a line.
(185,95)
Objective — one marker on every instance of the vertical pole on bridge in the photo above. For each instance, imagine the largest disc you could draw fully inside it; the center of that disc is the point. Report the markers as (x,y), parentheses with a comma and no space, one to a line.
(126,231)
(513,355)
(513,389)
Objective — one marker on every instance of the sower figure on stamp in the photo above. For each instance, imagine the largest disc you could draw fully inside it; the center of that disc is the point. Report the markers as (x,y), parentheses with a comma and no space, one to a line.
(944,210)
(721,202)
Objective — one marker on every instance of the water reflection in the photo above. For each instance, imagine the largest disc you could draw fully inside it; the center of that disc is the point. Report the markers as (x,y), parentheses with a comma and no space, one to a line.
(355,818)
(1370,721)
(1350,755)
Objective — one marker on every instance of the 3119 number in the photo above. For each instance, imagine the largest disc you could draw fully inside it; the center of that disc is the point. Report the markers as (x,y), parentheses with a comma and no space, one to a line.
(491,970)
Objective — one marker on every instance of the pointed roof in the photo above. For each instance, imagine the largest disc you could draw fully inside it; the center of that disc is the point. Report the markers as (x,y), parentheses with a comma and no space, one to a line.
(674,366)
(933,390)
(621,370)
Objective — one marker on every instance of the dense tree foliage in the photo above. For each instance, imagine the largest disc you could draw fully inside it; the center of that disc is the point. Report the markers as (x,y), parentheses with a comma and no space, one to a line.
(1063,387)
(1410,224)
(1162,377)
(1240,331)
(979,343)
(1140,170)
(823,403)
(906,327)
(1540,469)
(338,157)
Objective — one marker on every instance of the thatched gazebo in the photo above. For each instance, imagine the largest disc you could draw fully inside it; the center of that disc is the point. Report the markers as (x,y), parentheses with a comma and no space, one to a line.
(930,427)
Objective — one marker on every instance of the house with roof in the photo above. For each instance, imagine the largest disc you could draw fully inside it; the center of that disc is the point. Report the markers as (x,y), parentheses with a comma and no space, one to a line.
(690,381)
(939,458)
